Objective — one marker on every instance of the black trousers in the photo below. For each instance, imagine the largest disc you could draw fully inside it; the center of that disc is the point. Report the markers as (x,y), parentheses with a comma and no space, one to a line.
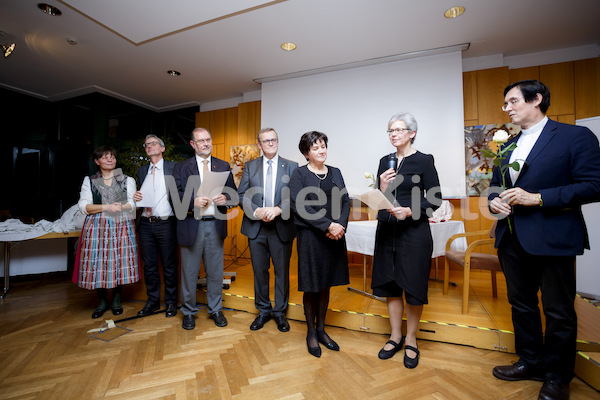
(159,238)
(552,352)
(267,247)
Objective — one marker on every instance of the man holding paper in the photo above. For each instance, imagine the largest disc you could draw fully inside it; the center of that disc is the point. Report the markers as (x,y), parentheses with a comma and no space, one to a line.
(157,228)
(200,182)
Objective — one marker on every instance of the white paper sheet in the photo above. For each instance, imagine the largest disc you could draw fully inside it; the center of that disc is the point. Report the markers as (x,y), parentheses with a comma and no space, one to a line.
(213,183)
(375,200)
(147,190)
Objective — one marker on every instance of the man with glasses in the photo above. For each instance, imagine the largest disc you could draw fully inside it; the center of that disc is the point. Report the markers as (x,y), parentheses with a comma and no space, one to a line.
(157,229)
(559,172)
(202,232)
(268,224)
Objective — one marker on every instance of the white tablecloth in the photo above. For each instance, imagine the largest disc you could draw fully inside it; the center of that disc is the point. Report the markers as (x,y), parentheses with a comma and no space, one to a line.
(360,236)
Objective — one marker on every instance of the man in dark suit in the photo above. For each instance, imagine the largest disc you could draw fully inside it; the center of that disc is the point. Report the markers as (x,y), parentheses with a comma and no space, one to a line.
(202,232)
(268,224)
(157,229)
(560,171)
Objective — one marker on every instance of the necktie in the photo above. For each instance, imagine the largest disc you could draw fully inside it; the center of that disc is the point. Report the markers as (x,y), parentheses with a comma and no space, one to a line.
(149,209)
(205,168)
(269,185)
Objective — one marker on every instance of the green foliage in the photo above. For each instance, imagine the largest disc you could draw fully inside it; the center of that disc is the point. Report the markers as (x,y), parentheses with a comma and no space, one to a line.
(132,155)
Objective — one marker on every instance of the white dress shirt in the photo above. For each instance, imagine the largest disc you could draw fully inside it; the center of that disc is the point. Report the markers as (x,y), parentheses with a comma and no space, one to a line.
(524,145)
(275,160)
(162,207)
(209,210)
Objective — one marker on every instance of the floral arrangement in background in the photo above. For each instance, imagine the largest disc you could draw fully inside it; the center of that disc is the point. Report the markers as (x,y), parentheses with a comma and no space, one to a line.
(372,179)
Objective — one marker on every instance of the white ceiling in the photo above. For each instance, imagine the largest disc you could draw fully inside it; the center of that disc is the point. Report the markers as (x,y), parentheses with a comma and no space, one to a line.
(125,47)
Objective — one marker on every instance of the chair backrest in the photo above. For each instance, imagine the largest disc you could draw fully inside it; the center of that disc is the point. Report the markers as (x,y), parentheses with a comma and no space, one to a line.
(493,229)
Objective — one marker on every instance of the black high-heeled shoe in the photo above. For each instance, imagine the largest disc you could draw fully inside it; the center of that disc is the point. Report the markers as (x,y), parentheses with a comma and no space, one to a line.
(331,345)
(314,351)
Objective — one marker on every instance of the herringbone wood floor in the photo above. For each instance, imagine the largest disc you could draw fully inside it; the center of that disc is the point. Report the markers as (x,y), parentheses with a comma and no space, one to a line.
(46,353)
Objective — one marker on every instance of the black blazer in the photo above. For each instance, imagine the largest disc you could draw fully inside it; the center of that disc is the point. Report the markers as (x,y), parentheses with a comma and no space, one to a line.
(187,227)
(252,177)
(564,166)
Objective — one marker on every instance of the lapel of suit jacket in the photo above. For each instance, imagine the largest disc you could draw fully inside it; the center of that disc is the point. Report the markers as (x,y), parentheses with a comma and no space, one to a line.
(281,170)
(545,137)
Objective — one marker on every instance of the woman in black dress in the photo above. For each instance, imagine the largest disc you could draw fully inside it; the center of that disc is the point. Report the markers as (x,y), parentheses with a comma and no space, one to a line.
(322,257)
(403,243)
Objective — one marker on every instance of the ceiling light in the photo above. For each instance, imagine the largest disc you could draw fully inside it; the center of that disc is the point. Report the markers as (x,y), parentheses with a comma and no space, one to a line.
(8,49)
(454,12)
(48,9)
(72,41)
(288,46)
(172,72)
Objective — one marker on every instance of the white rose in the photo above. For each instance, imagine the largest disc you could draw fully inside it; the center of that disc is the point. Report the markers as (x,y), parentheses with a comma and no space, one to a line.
(367,175)
(500,136)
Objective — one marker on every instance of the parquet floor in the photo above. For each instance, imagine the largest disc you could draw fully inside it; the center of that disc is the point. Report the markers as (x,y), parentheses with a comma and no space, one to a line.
(46,353)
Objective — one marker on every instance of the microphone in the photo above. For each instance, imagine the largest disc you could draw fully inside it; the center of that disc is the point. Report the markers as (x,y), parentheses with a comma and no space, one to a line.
(392,161)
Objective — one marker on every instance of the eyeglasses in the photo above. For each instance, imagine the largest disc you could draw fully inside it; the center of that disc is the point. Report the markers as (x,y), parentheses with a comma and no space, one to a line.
(269,141)
(202,141)
(108,157)
(511,102)
(397,131)
(154,143)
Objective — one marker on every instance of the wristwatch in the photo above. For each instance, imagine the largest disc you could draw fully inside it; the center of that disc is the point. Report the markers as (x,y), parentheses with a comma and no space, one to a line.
(540,199)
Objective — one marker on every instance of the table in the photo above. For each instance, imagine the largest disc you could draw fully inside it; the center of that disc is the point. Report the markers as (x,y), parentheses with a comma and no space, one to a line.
(360,238)
(8,240)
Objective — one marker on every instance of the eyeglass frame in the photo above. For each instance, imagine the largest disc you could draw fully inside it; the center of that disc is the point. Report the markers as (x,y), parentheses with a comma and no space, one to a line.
(398,131)
(153,143)
(511,102)
(269,141)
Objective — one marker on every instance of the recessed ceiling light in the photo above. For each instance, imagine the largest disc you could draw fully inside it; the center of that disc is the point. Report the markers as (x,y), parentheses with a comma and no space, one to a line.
(71,41)
(48,9)
(288,46)
(172,72)
(454,12)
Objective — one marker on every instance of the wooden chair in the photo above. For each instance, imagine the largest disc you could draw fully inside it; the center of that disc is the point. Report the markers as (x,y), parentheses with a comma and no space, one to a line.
(471,260)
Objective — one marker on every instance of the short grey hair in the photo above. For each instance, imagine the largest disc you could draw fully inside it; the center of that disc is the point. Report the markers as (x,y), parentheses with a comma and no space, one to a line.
(408,119)
(151,136)
(200,129)
(263,130)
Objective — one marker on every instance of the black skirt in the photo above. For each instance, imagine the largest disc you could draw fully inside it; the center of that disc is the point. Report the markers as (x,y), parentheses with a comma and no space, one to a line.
(403,255)
(322,262)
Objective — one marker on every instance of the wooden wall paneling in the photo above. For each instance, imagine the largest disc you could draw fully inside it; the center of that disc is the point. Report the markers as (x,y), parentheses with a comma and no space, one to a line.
(521,74)
(470,96)
(587,88)
(217,129)
(490,95)
(472,122)
(560,80)
(567,119)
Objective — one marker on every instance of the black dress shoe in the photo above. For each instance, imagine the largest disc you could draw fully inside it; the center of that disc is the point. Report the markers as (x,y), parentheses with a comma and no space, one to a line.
(171,310)
(282,323)
(330,344)
(188,322)
(553,390)
(411,362)
(516,372)
(314,351)
(98,312)
(117,310)
(385,354)
(148,309)
(219,319)
(259,322)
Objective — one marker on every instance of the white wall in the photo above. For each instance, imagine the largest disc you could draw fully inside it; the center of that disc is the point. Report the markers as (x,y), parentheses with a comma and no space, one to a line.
(352,107)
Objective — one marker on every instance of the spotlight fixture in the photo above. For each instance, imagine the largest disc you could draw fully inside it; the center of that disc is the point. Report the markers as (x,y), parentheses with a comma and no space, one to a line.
(288,46)
(71,41)
(454,12)
(172,72)
(8,49)
(48,9)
